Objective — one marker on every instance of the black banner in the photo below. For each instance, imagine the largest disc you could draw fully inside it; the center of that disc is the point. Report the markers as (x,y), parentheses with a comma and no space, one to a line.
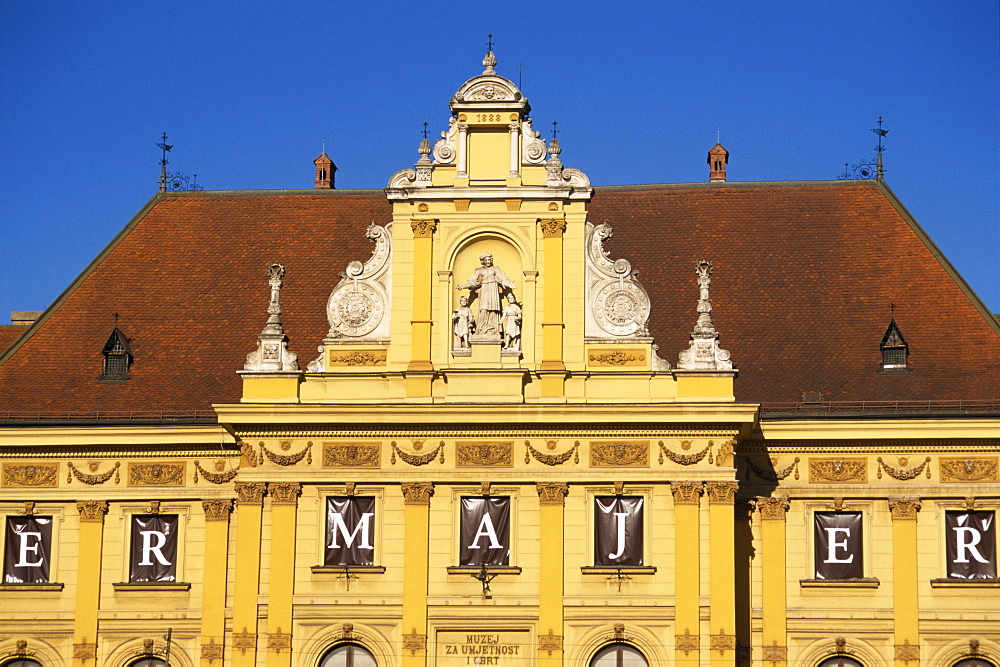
(154,548)
(485,531)
(350,531)
(838,545)
(971,544)
(26,558)
(618,530)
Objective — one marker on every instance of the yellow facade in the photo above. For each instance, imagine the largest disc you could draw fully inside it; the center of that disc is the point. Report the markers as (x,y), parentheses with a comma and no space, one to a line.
(728,560)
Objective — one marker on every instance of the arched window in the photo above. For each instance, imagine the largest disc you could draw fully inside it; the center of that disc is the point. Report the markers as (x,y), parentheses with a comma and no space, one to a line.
(619,655)
(974,662)
(22,662)
(148,662)
(348,655)
(840,661)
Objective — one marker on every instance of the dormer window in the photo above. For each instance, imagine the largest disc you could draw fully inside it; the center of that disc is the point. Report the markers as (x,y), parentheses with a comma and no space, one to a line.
(117,358)
(894,350)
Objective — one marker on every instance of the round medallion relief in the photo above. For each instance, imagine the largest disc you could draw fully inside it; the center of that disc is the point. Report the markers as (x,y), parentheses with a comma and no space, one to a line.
(621,311)
(355,310)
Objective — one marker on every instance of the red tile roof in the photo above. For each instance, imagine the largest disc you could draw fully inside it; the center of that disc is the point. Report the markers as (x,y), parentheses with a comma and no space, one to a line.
(807,276)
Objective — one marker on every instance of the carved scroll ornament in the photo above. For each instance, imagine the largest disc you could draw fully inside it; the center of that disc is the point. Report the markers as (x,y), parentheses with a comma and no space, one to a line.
(551,459)
(617,304)
(359,304)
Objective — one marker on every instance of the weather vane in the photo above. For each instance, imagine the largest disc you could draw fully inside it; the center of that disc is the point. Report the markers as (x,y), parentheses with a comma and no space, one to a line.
(555,131)
(169,181)
(489,42)
(867,169)
(425,129)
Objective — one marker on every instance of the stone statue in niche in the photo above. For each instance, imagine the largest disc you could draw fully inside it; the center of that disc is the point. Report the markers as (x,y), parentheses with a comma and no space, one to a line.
(511,321)
(464,323)
(488,284)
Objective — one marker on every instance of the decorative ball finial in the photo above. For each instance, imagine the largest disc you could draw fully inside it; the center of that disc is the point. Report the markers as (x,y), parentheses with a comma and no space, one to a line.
(489,61)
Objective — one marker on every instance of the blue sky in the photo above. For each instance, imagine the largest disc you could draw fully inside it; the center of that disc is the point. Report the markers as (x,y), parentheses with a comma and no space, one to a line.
(247,91)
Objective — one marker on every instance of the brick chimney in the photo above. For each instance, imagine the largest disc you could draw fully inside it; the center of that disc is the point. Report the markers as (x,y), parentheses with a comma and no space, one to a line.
(717,159)
(325,169)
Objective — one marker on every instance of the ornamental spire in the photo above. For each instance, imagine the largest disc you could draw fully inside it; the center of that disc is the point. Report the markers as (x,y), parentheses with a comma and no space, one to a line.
(704,352)
(272,353)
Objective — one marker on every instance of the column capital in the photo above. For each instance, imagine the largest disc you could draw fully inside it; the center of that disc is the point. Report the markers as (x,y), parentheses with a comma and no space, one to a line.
(722,493)
(772,508)
(423,229)
(217,509)
(904,508)
(552,493)
(686,493)
(92,510)
(417,493)
(552,227)
(284,493)
(249,493)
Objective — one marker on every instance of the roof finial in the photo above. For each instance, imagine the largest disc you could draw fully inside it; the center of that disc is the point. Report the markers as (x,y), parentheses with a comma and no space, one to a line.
(489,61)
(879,169)
(718,136)
(163,146)
(272,353)
(323,149)
(555,130)
(703,351)
(425,129)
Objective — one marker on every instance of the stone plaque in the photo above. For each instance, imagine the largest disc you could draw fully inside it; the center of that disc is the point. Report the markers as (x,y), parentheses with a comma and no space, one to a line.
(503,648)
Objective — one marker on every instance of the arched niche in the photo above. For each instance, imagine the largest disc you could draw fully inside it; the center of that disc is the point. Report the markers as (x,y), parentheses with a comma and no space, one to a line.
(507,256)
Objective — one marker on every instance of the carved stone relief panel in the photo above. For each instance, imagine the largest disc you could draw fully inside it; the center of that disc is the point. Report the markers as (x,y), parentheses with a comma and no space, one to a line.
(619,454)
(838,471)
(38,474)
(352,454)
(476,453)
(969,469)
(156,474)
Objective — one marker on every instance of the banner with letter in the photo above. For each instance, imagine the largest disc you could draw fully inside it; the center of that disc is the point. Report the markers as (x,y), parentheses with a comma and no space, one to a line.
(485,531)
(618,530)
(971,544)
(838,545)
(26,558)
(154,548)
(350,531)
